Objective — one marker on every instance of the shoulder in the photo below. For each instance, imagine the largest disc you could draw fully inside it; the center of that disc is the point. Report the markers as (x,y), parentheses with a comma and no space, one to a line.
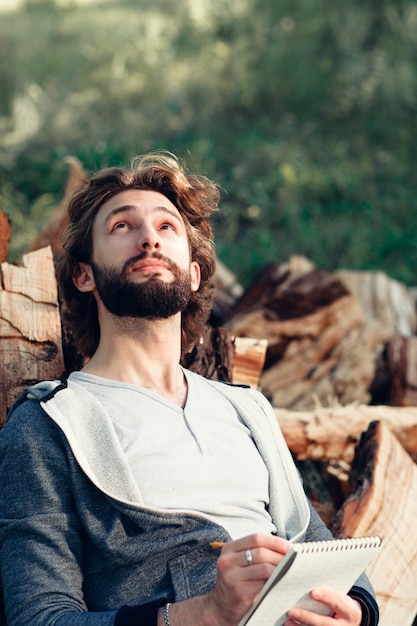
(26,420)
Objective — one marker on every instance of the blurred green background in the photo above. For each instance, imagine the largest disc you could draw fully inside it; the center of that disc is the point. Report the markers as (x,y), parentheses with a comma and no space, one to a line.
(303,112)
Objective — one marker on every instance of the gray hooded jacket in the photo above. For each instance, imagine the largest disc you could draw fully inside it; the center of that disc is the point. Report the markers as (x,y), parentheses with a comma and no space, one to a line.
(76,540)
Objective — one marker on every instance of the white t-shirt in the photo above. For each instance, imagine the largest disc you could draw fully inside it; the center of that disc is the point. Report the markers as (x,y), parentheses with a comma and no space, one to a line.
(201,458)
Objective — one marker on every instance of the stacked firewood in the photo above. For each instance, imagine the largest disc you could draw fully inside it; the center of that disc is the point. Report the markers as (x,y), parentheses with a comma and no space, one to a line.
(341,371)
(335,352)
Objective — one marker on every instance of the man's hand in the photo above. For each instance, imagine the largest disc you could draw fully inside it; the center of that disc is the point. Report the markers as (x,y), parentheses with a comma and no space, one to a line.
(346,611)
(241,575)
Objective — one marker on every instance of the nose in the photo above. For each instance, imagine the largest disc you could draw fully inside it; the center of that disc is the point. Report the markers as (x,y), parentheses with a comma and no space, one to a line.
(149,239)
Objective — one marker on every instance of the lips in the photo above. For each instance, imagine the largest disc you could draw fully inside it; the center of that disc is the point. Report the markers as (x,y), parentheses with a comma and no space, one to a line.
(148,264)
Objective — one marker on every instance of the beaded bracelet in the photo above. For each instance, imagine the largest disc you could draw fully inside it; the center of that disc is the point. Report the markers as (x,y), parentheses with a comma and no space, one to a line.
(166,615)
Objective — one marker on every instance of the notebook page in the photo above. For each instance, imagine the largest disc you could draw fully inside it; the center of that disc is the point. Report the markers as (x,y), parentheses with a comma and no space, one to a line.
(328,564)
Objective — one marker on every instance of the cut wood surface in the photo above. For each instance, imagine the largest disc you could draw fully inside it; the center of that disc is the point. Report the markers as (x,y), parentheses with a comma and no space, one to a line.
(248,361)
(332,433)
(384,502)
(30,325)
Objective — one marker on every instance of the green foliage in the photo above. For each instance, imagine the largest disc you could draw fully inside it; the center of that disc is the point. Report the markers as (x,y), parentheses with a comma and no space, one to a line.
(304,113)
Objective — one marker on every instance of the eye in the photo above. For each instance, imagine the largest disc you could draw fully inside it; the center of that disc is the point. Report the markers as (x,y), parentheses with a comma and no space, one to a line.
(119,226)
(167,226)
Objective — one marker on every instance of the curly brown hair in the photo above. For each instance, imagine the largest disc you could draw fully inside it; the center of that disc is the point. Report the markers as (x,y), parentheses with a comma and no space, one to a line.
(195,197)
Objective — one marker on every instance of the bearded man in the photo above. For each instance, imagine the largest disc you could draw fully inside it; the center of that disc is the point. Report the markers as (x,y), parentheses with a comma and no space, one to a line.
(116,480)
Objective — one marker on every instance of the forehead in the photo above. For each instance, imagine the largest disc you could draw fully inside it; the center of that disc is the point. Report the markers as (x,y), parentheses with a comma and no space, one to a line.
(142,201)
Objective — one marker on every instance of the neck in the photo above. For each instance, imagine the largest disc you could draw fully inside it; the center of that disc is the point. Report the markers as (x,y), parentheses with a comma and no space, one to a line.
(141,352)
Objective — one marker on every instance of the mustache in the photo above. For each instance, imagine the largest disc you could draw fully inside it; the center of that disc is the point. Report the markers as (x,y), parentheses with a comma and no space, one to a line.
(129,264)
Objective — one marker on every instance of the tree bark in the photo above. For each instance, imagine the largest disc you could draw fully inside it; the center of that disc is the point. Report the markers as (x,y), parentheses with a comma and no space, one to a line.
(213,356)
(4,236)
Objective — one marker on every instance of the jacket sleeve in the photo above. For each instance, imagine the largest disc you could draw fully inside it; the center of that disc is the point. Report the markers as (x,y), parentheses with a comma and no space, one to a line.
(362,589)
(41,542)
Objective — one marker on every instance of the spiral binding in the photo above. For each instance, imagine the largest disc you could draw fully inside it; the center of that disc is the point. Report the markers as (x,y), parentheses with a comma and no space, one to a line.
(348,543)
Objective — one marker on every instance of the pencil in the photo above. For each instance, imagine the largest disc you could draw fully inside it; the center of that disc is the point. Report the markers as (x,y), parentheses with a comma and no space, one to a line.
(216,545)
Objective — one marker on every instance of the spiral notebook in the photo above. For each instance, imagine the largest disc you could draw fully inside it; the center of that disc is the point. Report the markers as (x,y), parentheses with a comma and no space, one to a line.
(334,564)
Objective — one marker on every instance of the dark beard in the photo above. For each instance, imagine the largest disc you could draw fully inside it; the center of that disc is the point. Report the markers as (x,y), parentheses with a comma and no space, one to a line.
(151,299)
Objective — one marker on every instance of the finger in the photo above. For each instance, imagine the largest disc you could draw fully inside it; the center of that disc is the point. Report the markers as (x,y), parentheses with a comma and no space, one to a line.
(260,572)
(259,540)
(254,556)
(321,616)
(249,558)
(342,606)
(308,618)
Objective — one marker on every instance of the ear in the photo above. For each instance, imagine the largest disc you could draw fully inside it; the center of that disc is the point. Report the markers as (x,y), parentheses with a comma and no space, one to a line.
(195,274)
(83,278)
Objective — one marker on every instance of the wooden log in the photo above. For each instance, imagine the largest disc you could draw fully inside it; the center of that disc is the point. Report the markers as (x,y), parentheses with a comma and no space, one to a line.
(384,299)
(248,361)
(30,326)
(332,433)
(329,354)
(314,351)
(384,502)
(286,291)
(320,343)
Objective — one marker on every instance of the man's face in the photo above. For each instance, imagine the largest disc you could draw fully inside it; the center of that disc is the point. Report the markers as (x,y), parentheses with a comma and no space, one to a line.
(141,261)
